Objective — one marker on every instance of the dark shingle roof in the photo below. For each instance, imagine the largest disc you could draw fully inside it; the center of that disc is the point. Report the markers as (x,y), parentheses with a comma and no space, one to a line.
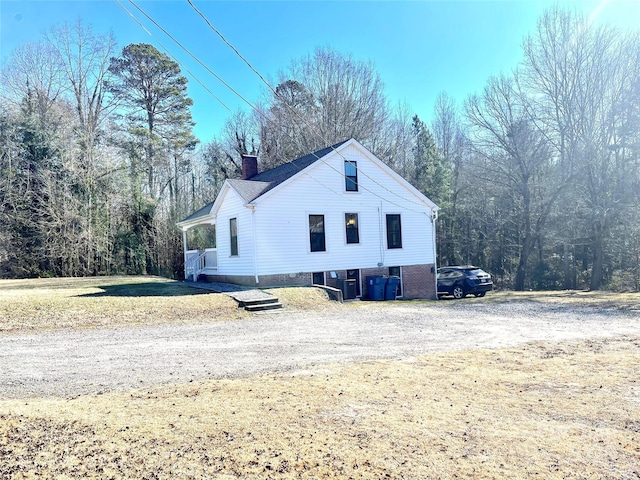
(203,212)
(269,179)
(253,188)
(250,189)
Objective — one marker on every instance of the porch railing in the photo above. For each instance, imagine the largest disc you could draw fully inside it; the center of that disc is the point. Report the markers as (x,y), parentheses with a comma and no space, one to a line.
(198,261)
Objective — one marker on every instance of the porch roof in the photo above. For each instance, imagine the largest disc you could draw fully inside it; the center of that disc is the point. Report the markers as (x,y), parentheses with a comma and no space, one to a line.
(200,213)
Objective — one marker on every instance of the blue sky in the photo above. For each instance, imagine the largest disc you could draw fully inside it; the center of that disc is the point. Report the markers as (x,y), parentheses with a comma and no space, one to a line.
(419,48)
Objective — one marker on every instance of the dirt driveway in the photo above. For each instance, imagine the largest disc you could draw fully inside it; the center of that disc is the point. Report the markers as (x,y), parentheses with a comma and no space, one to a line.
(68,363)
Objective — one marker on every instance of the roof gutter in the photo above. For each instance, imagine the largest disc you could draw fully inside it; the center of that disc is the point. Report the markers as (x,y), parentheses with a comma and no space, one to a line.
(184,226)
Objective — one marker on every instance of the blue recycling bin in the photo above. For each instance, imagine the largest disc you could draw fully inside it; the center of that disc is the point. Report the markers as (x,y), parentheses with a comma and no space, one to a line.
(391,288)
(375,287)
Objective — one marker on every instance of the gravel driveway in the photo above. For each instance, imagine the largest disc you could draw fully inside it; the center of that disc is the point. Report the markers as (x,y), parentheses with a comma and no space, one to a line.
(77,362)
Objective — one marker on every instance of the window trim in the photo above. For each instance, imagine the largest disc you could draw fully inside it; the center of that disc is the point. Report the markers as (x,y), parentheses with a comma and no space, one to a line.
(357,228)
(324,233)
(324,277)
(398,244)
(401,286)
(357,278)
(233,239)
(350,181)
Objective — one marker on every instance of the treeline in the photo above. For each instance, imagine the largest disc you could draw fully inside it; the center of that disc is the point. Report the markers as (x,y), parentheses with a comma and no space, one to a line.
(537,176)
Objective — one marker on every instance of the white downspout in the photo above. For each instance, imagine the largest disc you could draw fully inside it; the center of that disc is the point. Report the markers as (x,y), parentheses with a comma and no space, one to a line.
(434,217)
(380,235)
(255,243)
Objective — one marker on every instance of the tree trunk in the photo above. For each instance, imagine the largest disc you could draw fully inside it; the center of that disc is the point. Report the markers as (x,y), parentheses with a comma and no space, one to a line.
(521,272)
(565,258)
(598,256)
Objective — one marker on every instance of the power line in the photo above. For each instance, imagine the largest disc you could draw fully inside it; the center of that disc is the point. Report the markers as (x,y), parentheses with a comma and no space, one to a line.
(253,69)
(275,93)
(193,56)
(172,56)
(235,50)
(193,75)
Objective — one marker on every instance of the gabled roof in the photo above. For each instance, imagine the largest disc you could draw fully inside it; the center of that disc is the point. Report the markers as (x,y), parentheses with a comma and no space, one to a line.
(257,186)
(249,189)
(260,184)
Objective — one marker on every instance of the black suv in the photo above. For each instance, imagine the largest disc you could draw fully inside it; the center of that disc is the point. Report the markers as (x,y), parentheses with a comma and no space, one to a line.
(460,281)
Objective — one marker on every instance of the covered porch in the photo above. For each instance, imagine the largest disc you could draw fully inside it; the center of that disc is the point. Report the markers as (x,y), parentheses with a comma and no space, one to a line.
(199,244)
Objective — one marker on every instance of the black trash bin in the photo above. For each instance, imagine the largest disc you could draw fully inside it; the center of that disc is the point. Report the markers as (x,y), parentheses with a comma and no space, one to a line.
(348,287)
(375,287)
(391,288)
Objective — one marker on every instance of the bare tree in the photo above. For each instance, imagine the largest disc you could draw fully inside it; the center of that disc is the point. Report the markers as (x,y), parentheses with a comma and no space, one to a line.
(33,70)
(517,158)
(320,100)
(453,144)
(84,59)
(396,140)
(580,76)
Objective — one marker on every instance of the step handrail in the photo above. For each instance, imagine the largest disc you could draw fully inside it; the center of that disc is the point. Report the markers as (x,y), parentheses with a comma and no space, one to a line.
(194,266)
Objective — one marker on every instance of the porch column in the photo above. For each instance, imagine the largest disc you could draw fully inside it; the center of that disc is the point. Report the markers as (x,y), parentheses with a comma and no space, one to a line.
(184,244)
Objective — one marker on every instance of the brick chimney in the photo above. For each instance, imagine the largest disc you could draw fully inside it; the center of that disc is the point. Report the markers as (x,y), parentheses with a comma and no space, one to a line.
(249,166)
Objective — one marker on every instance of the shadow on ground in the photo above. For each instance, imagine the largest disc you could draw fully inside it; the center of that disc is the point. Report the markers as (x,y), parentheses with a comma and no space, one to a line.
(148,289)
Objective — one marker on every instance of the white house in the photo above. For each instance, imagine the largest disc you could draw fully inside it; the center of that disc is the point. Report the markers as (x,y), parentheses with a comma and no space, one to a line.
(338,213)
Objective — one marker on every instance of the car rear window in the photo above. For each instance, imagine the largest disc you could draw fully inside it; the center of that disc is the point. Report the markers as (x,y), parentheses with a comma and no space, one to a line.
(476,272)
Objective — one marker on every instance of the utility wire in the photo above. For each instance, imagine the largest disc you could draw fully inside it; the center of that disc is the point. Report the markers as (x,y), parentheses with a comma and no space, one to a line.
(235,50)
(297,114)
(193,75)
(278,96)
(193,56)
(172,56)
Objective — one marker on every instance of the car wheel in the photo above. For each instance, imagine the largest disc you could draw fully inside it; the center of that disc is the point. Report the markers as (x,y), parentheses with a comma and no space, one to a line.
(481,294)
(458,292)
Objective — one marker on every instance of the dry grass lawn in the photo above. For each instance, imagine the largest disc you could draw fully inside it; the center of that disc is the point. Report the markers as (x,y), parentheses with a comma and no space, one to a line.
(539,411)
(54,303)
(600,299)
(543,410)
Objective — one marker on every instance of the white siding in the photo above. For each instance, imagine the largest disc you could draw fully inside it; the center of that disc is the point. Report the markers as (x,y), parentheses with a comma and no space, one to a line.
(243,263)
(282,220)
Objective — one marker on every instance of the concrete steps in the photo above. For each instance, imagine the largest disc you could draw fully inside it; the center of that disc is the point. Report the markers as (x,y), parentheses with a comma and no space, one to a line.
(252,300)
(261,305)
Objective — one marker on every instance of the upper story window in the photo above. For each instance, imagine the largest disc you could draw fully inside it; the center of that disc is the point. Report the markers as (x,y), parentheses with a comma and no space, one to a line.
(316,233)
(351,176)
(233,234)
(394,231)
(351,225)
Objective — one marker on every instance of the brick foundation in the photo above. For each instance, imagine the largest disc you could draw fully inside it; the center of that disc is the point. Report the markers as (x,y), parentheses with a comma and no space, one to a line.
(418,281)
(280,280)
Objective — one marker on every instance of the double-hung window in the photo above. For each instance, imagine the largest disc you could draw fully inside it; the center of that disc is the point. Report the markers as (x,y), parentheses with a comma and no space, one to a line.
(394,231)
(351,176)
(351,226)
(233,235)
(316,233)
